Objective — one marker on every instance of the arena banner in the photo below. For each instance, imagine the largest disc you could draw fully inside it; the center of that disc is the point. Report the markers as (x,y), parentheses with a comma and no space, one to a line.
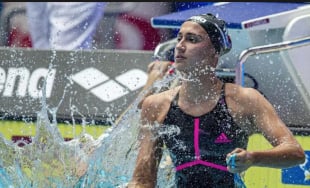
(96,85)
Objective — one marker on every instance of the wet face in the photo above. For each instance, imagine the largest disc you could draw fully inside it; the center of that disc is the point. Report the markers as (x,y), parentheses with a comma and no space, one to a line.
(194,50)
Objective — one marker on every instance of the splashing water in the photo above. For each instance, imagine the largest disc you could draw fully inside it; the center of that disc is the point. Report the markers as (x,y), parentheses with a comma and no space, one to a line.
(82,162)
(48,160)
(113,162)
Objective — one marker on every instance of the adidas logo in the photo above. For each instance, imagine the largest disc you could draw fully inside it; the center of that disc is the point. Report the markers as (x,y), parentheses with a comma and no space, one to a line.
(108,89)
(222,139)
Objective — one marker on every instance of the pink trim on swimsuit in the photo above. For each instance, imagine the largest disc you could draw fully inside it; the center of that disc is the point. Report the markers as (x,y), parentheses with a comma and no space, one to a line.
(197,153)
(196,138)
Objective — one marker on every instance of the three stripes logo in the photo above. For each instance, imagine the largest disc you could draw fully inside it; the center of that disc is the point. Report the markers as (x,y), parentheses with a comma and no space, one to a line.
(222,139)
(107,89)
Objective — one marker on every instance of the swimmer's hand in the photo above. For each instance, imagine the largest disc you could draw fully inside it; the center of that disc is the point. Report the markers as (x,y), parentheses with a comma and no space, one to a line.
(238,160)
(158,69)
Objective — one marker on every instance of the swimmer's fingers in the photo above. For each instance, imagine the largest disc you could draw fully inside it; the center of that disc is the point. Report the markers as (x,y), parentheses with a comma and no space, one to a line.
(150,66)
(234,152)
(159,66)
(238,160)
(238,168)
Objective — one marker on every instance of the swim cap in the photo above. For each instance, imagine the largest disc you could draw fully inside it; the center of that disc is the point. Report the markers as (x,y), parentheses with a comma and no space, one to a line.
(217,31)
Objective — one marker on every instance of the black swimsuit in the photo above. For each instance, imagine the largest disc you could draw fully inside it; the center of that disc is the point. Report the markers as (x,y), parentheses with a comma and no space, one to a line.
(198,145)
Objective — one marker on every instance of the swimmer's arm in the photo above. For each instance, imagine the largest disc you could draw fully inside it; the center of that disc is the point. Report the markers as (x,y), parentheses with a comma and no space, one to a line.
(286,151)
(150,153)
(156,70)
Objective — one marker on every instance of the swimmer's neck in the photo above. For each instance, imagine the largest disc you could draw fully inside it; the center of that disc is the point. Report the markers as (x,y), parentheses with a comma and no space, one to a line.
(199,92)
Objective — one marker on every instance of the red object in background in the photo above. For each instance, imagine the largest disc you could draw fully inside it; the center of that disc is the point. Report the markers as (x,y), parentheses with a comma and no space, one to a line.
(150,37)
(17,38)
(133,29)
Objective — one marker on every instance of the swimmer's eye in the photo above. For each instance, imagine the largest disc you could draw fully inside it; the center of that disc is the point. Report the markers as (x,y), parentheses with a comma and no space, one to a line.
(192,38)
(179,38)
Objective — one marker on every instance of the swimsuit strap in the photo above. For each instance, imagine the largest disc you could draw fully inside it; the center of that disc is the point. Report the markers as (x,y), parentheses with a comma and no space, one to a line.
(175,99)
(223,90)
(222,100)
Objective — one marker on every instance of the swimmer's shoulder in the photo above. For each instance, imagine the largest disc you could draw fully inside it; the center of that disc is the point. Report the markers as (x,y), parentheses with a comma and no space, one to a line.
(155,107)
(240,98)
(162,98)
(239,93)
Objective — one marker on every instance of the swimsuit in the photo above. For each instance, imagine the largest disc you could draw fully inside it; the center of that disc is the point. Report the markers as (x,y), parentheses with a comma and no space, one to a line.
(198,145)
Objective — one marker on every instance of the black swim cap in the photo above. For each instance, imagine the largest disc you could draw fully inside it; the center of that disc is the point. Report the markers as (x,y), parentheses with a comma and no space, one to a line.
(217,31)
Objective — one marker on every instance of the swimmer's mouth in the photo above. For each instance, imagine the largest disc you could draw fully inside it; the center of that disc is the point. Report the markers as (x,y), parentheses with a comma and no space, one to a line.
(179,57)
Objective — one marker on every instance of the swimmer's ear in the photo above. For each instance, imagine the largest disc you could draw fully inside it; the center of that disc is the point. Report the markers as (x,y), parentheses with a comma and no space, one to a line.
(217,55)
